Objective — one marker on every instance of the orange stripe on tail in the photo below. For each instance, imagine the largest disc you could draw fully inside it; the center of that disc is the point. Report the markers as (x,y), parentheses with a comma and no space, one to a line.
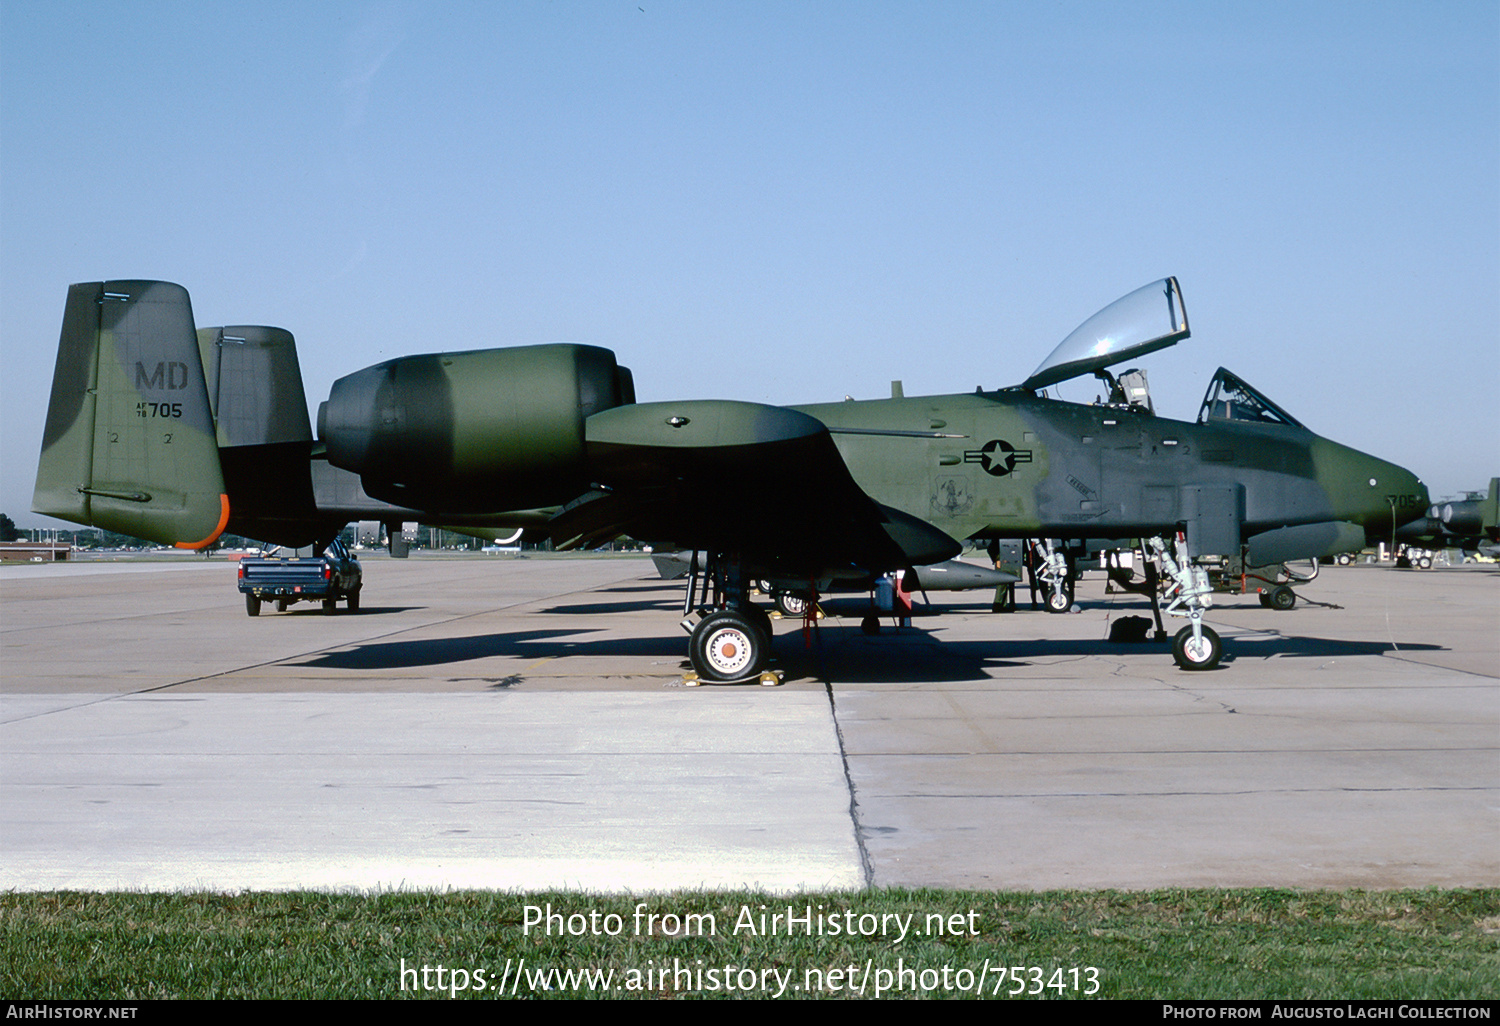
(218,530)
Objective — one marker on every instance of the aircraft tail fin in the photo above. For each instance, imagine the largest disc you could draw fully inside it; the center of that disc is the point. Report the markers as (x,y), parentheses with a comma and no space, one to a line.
(265,437)
(130,441)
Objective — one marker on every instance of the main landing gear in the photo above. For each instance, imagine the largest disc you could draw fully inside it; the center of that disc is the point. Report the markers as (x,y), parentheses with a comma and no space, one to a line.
(1196,646)
(730,640)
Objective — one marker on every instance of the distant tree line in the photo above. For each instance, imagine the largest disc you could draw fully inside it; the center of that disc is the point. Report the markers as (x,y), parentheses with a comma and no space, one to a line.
(427,537)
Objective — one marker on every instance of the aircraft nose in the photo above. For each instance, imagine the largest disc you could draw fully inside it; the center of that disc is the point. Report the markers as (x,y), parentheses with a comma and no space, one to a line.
(1369,491)
(1398,497)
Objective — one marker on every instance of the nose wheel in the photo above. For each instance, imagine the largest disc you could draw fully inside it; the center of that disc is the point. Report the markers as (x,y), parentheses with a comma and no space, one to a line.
(1196,646)
(1197,652)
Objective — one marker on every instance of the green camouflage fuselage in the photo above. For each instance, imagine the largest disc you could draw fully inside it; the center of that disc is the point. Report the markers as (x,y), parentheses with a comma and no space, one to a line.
(1011,464)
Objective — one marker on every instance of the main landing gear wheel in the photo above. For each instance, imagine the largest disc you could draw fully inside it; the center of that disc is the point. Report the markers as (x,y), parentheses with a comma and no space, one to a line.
(728,646)
(1281,597)
(1197,653)
(252,604)
(794,606)
(758,617)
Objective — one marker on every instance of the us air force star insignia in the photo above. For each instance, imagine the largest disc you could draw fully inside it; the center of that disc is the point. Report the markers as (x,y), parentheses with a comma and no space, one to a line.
(997,457)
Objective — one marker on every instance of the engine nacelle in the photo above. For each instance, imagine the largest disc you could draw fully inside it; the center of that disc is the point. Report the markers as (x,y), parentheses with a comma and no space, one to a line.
(475,432)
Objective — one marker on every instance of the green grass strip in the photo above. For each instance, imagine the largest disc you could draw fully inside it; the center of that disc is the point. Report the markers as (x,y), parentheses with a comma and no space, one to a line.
(1170,944)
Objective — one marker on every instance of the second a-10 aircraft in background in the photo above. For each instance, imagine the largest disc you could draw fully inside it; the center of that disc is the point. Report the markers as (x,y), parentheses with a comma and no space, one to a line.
(1470,524)
(166,432)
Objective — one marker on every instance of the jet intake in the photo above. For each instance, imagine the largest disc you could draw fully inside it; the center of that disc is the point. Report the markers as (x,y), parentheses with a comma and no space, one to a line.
(473,432)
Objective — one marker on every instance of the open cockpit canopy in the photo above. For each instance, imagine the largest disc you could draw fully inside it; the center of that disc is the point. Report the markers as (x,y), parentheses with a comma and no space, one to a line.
(1148,319)
(1230,398)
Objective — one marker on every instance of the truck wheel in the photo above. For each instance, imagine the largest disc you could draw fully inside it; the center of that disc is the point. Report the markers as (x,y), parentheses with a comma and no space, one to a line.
(252,604)
(330,606)
(354,601)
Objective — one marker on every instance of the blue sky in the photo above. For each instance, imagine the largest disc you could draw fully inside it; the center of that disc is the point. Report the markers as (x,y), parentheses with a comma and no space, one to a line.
(782,202)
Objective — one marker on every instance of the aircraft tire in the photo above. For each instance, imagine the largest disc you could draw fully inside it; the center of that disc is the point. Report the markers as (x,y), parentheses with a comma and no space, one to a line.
(1425,562)
(252,604)
(1201,655)
(727,646)
(1059,601)
(758,617)
(791,605)
(1282,598)
(354,601)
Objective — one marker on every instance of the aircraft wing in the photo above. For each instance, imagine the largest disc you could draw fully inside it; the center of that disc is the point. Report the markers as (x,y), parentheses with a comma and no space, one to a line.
(765,482)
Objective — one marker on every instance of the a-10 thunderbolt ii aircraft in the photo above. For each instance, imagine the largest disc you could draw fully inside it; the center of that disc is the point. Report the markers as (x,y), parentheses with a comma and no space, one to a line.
(169,433)
(1471,524)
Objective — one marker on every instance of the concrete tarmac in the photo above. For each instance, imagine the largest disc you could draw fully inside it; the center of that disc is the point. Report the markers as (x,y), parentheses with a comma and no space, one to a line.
(519,723)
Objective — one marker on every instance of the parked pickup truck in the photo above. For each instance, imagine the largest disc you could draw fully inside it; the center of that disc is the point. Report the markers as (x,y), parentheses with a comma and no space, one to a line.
(327,578)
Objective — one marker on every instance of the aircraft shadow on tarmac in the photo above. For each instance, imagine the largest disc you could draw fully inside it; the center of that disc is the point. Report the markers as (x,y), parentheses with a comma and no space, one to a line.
(843,654)
(639,606)
(667,588)
(392,655)
(846,655)
(315,610)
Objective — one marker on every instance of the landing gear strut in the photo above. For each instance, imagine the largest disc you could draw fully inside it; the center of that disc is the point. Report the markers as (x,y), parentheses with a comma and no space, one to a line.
(1053,575)
(1196,646)
(732,638)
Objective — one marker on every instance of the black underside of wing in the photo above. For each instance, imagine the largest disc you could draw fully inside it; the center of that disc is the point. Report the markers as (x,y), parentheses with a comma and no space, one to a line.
(786,507)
